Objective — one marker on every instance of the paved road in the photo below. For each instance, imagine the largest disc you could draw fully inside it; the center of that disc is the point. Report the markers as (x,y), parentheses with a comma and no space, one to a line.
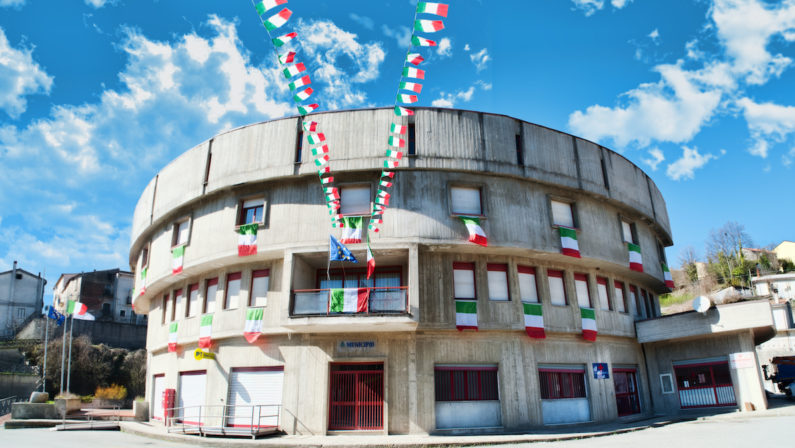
(45,438)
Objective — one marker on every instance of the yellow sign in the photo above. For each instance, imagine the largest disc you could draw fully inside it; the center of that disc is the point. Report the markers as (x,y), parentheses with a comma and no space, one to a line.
(200,354)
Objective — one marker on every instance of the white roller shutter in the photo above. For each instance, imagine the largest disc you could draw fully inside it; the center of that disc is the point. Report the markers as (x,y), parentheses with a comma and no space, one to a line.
(191,395)
(158,387)
(255,392)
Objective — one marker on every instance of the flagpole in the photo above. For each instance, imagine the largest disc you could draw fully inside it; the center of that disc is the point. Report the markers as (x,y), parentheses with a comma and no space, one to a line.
(63,351)
(46,338)
(69,363)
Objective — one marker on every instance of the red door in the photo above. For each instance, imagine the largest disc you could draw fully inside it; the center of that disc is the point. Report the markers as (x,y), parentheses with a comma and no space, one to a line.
(626,384)
(356,397)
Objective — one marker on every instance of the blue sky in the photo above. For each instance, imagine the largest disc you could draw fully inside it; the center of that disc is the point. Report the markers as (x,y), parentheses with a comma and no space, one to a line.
(96,96)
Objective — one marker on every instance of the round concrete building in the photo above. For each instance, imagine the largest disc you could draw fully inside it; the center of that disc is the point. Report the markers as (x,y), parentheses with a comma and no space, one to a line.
(401,366)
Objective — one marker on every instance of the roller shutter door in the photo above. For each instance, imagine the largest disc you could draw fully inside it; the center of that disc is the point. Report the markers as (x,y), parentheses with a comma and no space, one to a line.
(191,396)
(255,396)
(158,387)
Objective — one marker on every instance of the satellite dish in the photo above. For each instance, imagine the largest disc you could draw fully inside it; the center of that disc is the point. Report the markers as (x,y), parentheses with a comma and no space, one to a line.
(701,304)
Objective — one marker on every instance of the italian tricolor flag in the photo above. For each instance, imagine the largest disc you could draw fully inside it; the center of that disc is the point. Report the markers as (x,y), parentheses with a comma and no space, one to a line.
(391,164)
(476,233)
(75,308)
(428,26)
(320,150)
(385,183)
(278,19)
(310,126)
(177,256)
(534,320)
(669,280)
(394,154)
(418,41)
(283,39)
(635,260)
(588,324)
(397,128)
(143,282)
(293,70)
(315,139)
(408,99)
(413,86)
(300,82)
(172,337)
(370,261)
(253,326)
(396,142)
(414,58)
(287,58)
(349,300)
(440,9)
(303,110)
(206,331)
(303,95)
(247,240)
(352,232)
(568,242)
(402,111)
(466,315)
(268,4)
(411,72)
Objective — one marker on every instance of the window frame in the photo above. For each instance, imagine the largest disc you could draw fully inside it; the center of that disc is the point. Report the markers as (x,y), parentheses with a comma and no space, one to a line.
(173,316)
(466,266)
(618,285)
(175,226)
(604,282)
(241,210)
(254,275)
(191,288)
(579,277)
(360,273)
(298,157)
(638,308)
(498,267)
(411,139)
(554,273)
(439,372)
(207,284)
(558,373)
(145,250)
(519,142)
(232,276)
(528,270)
(469,186)
(165,302)
(369,186)
(572,207)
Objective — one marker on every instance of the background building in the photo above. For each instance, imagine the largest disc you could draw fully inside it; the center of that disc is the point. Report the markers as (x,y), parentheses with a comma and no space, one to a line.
(403,367)
(21,298)
(107,295)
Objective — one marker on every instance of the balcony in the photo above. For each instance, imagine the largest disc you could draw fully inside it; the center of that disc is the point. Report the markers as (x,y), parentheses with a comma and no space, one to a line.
(380,300)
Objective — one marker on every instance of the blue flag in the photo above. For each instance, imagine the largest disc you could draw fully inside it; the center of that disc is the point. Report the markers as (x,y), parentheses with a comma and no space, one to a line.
(337,251)
(55,315)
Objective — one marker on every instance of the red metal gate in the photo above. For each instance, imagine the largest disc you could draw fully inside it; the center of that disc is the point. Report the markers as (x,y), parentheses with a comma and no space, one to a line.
(356,397)
(705,384)
(626,384)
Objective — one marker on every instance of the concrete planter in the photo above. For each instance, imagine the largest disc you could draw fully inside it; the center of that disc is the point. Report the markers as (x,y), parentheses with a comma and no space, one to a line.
(141,410)
(34,411)
(65,406)
(103,403)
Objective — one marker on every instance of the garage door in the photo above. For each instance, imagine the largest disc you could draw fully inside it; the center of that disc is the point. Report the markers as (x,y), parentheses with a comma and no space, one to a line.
(704,383)
(191,396)
(255,396)
(158,387)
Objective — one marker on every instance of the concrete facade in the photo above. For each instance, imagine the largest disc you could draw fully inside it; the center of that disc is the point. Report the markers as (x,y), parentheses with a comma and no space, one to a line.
(420,240)
(21,296)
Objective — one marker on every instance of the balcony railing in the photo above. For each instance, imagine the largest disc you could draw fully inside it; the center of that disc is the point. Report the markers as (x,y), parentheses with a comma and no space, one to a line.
(380,300)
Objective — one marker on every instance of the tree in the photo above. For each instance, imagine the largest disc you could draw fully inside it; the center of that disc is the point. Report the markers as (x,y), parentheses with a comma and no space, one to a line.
(687,261)
(725,253)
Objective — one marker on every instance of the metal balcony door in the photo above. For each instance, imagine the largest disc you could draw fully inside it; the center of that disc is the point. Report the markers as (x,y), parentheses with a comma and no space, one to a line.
(356,397)
(626,384)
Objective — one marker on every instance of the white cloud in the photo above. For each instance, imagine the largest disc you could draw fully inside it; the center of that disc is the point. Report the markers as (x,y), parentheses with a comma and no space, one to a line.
(656,158)
(591,6)
(100,3)
(691,160)
(466,47)
(654,35)
(445,48)
(480,59)
(341,61)
(20,76)
(11,3)
(450,99)
(364,21)
(786,159)
(768,123)
(402,35)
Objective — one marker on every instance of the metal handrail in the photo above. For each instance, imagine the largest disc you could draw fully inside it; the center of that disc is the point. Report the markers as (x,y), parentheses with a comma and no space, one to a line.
(181,419)
(5,404)
(373,289)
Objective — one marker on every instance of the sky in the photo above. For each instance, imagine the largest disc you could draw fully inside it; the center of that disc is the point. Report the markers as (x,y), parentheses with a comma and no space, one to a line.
(96,96)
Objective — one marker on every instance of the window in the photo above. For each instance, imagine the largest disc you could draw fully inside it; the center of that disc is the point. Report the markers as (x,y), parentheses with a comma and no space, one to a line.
(466,201)
(172,308)
(145,256)
(667,383)
(252,211)
(633,298)
(563,214)
(628,232)
(648,299)
(179,305)
(355,200)
(412,149)
(209,163)
(20,313)
(232,291)
(498,282)
(528,290)
(465,383)
(661,252)
(621,301)
(299,146)
(601,290)
(210,290)
(519,150)
(165,309)
(121,313)
(464,281)
(581,289)
(193,300)
(259,287)
(557,292)
(562,383)
(181,233)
